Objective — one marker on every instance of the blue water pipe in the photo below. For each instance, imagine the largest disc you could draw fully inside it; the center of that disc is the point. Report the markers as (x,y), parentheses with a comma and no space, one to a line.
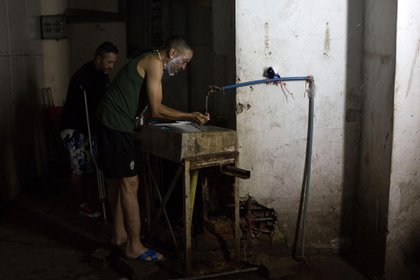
(267,81)
(300,233)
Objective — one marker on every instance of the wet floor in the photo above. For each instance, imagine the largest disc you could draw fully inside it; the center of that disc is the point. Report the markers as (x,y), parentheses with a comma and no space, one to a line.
(43,237)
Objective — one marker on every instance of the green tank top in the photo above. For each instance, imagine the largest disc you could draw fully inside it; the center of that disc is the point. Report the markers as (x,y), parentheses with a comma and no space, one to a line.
(120,105)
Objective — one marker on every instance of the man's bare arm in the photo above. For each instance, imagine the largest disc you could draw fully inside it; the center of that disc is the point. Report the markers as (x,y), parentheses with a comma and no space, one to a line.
(154,73)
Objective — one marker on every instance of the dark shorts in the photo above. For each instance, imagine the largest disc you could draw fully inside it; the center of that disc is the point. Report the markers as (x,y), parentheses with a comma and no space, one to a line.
(116,153)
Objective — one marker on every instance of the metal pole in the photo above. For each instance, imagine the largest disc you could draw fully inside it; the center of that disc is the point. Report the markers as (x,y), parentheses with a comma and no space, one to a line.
(306,178)
(308,172)
(99,175)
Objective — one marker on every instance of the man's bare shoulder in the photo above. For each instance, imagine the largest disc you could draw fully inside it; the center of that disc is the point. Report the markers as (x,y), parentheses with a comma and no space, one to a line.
(149,63)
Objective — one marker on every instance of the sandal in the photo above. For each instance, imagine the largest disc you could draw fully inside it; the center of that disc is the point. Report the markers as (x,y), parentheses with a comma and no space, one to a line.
(150,256)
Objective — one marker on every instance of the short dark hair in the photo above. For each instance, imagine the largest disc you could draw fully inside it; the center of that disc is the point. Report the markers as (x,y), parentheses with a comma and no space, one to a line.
(106,47)
(177,42)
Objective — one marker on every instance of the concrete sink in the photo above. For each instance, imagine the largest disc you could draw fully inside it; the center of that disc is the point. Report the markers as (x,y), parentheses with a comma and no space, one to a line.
(183,140)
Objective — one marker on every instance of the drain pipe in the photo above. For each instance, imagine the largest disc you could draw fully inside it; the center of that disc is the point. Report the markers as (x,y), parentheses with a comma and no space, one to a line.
(306,179)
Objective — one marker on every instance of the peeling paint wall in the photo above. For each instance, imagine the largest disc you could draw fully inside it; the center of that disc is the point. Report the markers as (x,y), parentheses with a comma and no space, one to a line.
(297,38)
(403,243)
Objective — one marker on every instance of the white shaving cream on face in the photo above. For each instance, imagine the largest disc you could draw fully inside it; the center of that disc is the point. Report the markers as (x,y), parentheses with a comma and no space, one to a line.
(171,68)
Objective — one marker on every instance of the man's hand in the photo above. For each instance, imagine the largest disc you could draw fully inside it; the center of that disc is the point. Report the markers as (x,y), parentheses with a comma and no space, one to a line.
(200,118)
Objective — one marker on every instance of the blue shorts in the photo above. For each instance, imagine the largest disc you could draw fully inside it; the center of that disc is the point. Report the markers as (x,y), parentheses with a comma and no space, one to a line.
(77,146)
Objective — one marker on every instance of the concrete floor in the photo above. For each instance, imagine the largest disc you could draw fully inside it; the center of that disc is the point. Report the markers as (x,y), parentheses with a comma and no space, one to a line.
(43,237)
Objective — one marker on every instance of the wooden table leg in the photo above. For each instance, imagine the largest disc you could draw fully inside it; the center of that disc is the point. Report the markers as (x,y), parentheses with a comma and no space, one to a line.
(187,218)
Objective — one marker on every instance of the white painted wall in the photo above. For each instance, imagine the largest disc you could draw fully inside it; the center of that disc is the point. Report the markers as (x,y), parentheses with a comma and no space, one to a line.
(56,53)
(298,38)
(403,242)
